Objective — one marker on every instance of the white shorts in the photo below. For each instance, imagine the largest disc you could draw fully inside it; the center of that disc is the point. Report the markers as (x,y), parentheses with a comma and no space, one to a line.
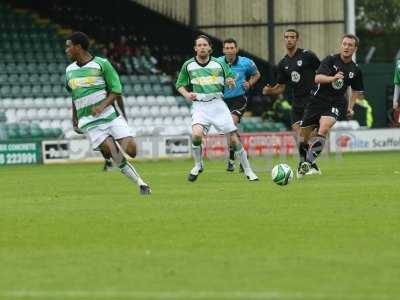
(215,113)
(117,128)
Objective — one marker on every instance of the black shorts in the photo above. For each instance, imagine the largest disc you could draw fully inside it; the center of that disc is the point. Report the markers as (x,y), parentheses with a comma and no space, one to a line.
(237,105)
(298,107)
(318,107)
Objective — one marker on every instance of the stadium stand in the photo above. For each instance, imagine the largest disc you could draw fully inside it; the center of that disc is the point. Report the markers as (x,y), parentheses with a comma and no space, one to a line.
(33,100)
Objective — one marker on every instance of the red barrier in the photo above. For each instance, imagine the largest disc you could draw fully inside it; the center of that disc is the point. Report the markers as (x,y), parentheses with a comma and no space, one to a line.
(256,144)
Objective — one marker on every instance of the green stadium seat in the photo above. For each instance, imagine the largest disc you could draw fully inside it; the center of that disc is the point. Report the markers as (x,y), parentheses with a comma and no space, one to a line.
(60,68)
(3,67)
(47,90)
(41,68)
(168,90)
(3,79)
(19,57)
(26,91)
(57,79)
(40,56)
(280,126)
(3,117)
(147,89)
(37,91)
(24,79)
(24,133)
(57,90)
(158,89)
(34,79)
(12,134)
(15,91)
(44,78)
(16,45)
(134,79)
(29,57)
(13,79)
(11,68)
(6,46)
(138,90)
(57,132)
(153,78)
(31,68)
(5,91)
(143,79)
(36,132)
(8,57)
(20,68)
(61,78)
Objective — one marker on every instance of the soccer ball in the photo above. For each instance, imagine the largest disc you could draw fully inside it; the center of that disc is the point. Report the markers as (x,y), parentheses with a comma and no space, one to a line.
(282,174)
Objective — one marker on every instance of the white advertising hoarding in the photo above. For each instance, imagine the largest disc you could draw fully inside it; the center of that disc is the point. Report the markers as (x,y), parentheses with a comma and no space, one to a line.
(151,147)
(365,140)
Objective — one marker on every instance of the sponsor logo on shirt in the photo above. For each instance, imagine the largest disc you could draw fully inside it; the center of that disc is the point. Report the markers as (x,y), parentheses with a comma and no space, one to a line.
(338,84)
(295,76)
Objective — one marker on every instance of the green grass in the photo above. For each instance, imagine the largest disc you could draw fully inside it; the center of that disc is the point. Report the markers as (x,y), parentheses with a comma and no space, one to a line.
(74,232)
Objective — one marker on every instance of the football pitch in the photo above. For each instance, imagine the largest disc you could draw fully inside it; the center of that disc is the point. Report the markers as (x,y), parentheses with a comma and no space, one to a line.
(75,232)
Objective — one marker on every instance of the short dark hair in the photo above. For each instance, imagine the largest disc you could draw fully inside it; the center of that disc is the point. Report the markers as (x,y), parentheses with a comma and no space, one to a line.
(80,38)
(229,41)
(293,30)
(353,37)
(203,36)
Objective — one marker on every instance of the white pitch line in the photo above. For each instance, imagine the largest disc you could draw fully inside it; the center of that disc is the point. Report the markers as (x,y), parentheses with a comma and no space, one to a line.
(186,295)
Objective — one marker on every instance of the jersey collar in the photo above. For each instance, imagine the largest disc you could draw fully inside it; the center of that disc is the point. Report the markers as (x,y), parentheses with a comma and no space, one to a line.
(234,62)
(202,65)
(298,50)
(85,63)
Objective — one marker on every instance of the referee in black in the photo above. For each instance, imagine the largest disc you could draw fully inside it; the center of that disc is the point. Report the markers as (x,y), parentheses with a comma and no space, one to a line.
(297,71)
(329,102)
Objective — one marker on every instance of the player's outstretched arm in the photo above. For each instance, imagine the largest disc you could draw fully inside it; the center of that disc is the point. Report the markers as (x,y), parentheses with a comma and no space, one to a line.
(354,96)
(396,97)
(98,109)
(252,80)
(120,103)
(75,120)
(190,96)
(230,82)
(277,89)
(323,79)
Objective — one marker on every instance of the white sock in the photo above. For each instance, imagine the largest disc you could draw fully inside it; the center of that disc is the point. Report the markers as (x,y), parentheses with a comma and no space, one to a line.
(129,171)
(242,155)
(197,155)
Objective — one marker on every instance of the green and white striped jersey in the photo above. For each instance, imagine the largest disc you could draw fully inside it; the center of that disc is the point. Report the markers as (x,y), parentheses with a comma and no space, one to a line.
(206,80)
(88,86)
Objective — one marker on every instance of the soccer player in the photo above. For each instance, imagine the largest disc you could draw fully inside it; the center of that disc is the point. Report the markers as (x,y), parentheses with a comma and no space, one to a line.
(119,105)
(396,94)
(297,71)
(94,86)
(246,76)
(202,80)
(329,102)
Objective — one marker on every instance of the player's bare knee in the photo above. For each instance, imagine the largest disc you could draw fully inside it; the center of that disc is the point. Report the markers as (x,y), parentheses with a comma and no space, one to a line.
(196,139)
(323,131)
(106,148)
(234,138)
(296,127)
(106,152)
(131,150)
